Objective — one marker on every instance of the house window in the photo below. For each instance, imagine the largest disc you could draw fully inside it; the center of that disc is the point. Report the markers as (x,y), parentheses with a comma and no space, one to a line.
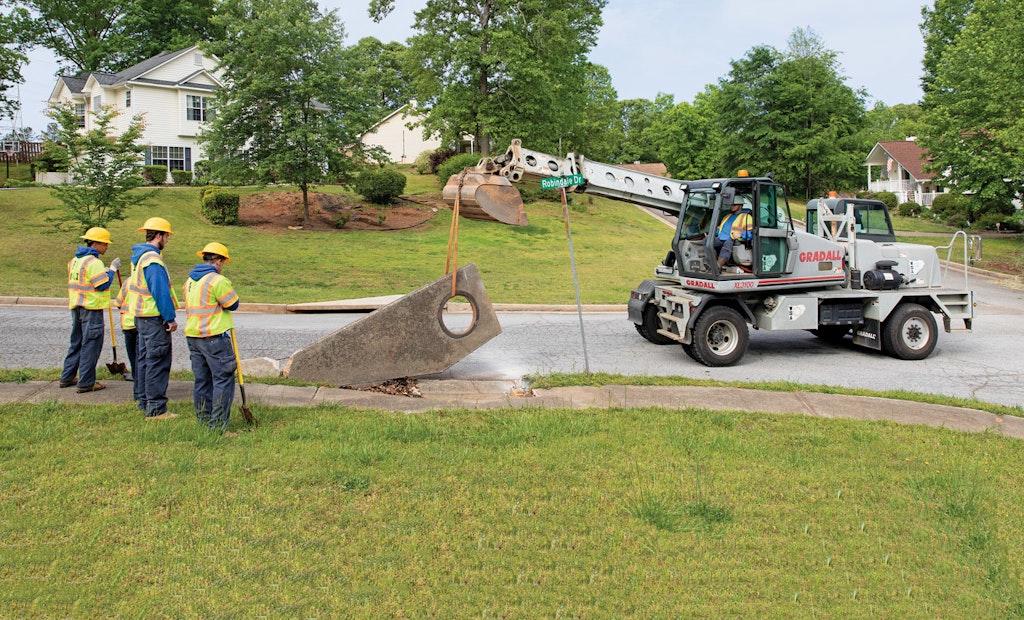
(174,157)
(97,103)
(128,98)
(80,114)
(195,108)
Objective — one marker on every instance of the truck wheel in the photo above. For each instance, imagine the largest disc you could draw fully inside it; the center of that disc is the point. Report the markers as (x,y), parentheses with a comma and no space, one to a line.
(910,332)
(720,337)
(832,333)
(649,328)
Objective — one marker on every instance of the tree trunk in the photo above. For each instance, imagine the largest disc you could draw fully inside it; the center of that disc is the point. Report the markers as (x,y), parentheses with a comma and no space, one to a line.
(305,204)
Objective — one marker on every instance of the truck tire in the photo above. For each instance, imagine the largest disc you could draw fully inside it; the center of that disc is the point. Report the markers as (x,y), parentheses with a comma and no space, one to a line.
(649,328)
(720,337)
(910,332)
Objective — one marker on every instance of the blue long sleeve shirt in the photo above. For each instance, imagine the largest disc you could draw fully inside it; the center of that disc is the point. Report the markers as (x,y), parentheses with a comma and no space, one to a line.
(158,282)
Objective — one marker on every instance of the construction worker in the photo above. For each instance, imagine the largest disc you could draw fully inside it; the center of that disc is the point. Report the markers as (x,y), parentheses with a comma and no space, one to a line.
(155,318)
(125,303)
(88,296)
(735,227)
(209,301)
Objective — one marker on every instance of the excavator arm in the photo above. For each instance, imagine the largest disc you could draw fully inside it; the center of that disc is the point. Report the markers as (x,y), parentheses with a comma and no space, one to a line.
(484,190)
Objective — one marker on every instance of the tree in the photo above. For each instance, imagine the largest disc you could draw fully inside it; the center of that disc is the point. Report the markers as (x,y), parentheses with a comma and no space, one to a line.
(15,32)
(110,35)
(286,109)
(976,121)
(635,117)
(501,70)
(381,72)
(792,114)
(686,137)
(940,26)
(598,133)
(898,122)
(103,168)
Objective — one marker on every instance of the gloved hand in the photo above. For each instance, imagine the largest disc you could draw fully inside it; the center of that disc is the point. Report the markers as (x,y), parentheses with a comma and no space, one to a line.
(116,264)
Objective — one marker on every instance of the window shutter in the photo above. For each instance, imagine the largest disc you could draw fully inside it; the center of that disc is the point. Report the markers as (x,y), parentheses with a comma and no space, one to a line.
(149,156)
(188,158)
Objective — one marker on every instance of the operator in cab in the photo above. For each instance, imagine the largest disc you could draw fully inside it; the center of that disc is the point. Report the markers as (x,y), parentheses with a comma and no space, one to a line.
(737,226)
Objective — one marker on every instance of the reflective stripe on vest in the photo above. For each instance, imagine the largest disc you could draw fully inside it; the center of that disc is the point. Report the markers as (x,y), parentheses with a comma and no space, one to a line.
(143,303)
(125,302)
(85,273)
(206,315)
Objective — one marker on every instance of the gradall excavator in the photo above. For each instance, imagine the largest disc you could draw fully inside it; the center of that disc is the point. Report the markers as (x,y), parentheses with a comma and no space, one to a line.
(843,275)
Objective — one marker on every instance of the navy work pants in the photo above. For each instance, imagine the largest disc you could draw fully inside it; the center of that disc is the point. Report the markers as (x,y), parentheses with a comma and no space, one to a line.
(154,364)
(131,345)
(86,343)
(214,365)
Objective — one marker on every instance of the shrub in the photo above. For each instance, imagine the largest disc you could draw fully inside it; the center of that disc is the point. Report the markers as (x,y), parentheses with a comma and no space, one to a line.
(438,157)
(154,175)
(181,177)
(13,183)
(380,186)
(422,163)
(220,207)
(951,205)
(207,190)
(888,198)
(454,165)
(909,209)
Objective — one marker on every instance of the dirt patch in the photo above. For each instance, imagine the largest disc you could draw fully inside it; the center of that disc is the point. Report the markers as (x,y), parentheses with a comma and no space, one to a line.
(395,387)
(274,211)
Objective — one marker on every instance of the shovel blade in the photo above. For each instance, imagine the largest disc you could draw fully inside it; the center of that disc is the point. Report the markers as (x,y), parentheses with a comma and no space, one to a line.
(486,197)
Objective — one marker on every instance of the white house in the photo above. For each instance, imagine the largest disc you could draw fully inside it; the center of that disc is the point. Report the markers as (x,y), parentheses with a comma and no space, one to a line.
(898,167)
(172,92)
(401,135)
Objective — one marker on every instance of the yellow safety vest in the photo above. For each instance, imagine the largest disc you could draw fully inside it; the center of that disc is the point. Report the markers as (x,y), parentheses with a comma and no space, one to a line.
(143,303)
(125,301)
(205,300)
(85,273)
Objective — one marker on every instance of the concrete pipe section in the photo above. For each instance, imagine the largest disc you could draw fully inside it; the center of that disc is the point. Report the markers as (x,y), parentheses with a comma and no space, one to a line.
(412,336)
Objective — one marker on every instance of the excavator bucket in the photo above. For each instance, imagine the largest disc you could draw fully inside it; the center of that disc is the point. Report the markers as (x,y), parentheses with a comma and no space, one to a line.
(486,197)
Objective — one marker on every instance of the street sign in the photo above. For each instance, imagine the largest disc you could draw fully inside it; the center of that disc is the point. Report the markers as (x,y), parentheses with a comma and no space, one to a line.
(558,182)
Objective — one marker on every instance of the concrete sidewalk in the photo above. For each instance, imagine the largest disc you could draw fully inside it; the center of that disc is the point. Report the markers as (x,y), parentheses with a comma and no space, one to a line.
(497,394)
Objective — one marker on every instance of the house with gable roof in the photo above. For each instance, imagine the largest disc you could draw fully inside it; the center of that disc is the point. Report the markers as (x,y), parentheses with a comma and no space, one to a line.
(401,135)
(172,91)
(898,167)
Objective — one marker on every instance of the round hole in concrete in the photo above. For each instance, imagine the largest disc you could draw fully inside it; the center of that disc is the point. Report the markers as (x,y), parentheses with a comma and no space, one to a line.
(458,314)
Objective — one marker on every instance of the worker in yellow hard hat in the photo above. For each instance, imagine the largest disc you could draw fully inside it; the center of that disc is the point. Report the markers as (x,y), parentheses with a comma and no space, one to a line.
(153,308)
(209,301)
(88,296)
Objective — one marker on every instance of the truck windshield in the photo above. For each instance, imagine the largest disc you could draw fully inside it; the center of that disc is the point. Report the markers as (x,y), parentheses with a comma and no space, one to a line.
(696,214)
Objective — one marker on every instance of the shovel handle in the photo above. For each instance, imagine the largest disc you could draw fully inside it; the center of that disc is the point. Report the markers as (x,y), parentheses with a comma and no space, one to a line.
(238,360)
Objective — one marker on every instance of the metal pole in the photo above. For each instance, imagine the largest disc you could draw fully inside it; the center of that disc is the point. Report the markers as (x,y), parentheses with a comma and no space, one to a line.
(575,280)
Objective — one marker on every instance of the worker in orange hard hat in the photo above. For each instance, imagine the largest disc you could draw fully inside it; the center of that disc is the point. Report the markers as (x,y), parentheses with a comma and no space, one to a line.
(88,296)
(153,307)
(210,299)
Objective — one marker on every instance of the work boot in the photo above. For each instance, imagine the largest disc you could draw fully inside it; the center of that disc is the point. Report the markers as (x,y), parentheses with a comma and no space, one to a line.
(721,262)
(95,387)
(68,383)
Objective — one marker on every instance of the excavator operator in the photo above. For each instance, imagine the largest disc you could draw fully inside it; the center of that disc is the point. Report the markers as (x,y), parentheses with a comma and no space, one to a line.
(737,226)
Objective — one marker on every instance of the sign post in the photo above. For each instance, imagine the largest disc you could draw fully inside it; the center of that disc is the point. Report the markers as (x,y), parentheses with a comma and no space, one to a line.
(560,183)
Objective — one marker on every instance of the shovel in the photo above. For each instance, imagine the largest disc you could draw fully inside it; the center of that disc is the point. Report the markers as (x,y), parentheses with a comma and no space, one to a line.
(115,367)
(246,412)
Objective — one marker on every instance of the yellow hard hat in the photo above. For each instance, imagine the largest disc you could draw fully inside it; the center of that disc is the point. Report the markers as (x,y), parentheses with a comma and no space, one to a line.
(158,224)
(97,234)
(215,248)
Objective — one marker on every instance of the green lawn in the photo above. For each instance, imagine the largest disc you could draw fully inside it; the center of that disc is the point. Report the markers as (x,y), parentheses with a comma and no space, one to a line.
(616,247)
(334,512)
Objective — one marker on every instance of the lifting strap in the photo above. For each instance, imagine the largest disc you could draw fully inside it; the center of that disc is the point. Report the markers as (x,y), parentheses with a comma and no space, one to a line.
(451,262)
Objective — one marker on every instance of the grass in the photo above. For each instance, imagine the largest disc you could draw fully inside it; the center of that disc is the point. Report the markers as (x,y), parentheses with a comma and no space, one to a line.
(332,511)
(616,247)
(1000,254)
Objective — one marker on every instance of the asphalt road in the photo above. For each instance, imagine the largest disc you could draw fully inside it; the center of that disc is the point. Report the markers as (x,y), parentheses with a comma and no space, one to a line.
(985,364)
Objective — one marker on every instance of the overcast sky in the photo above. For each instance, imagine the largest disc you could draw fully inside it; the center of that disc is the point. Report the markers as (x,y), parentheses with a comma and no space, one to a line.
(669,46)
